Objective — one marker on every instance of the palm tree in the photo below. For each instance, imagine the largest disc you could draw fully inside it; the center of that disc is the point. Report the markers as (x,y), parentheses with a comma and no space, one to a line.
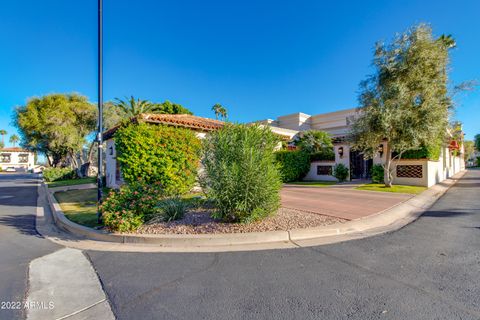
(133,108)
(219,111)
(3,133)
(14,139)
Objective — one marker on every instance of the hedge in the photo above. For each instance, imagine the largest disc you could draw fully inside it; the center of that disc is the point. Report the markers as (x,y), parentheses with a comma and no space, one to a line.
(158,154)
(430,152)
(327,155)
(56,174)
(294,164)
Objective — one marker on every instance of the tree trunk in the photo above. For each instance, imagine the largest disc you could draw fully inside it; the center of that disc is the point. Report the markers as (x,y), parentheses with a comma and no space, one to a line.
(388,167)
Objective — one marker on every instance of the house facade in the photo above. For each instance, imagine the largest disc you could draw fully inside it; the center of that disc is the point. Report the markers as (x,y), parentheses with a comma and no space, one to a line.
(421,172)
(201,126)
(18,158)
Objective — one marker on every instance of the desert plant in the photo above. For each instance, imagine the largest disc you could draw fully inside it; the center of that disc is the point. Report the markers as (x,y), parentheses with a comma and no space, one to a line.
(294,164)
(313,141)
(56,174)
(241,177)
(340,171)
(158,153)
(172,208)
(126,209)
(378,173)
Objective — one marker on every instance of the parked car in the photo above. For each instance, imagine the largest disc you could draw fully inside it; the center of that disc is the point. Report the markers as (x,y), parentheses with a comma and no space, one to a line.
(10,169)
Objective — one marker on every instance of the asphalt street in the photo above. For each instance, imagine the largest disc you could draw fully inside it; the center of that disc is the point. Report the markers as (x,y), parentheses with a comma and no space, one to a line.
(429,269)
(19,241)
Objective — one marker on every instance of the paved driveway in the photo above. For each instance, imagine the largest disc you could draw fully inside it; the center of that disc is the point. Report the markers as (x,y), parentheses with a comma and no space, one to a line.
(346,203)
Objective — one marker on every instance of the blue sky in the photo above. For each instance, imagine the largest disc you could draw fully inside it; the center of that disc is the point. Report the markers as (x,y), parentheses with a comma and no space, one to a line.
(260,59)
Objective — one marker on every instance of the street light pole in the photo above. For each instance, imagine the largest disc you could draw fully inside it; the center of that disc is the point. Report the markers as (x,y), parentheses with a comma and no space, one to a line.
(100,108)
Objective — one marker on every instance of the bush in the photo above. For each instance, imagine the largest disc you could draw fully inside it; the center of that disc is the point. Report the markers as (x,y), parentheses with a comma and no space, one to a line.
(313,141)
(127,209)
(340,171)
(157,153)
(294,165)
(429,152)
(56,174)
(378,173)
(172,209)
(325,155)
(241,177)
(478,161)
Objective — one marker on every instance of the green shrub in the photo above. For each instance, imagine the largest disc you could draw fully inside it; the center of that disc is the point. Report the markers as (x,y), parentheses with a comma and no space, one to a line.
(157,153)
(56,174)
(126,209)
(378,173)
(340,171)
(172,208)
(428,152)
(478,161)
(241,177)
(294,164)
(325,155)
(313,141)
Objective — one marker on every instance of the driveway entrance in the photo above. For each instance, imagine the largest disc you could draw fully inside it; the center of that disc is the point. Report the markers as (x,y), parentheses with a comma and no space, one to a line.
(341,202)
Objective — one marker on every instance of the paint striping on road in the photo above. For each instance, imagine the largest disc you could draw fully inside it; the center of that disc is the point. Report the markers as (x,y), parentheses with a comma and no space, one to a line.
(63,285)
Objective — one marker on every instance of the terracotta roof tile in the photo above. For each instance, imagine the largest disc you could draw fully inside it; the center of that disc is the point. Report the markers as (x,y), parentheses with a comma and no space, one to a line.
(179,120)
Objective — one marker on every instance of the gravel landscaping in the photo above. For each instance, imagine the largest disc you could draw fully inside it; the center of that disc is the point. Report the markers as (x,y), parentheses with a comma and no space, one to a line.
(198,221)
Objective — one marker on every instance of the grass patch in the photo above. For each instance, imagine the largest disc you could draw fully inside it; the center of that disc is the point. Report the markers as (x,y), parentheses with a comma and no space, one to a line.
(71,182)
(395,188)
(79,206)
(313,183)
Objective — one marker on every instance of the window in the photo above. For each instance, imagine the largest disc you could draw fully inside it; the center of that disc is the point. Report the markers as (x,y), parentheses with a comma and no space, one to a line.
(5,157)
(324,170)
(23,158)
(410,171)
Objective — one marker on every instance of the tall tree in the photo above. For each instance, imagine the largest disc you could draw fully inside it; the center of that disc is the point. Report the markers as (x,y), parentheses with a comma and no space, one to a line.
(469,149)
(220,111)
(56,125)
(476,141)
(133,107)
(313,141)
(3,133)
(14,139)
(405,103)
(168,107)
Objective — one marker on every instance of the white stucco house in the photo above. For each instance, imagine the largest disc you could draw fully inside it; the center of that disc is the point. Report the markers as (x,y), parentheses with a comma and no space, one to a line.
(421,172)
(201,126)
(18,158)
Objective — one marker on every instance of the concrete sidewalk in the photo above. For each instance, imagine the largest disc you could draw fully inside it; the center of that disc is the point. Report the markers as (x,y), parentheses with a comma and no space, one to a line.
(63,285)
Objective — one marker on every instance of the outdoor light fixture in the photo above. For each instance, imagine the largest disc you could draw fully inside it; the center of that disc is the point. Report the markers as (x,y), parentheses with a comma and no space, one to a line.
(111,151)
(380,150)
(340,152)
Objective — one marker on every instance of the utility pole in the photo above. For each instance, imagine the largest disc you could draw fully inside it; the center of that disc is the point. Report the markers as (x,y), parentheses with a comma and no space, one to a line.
(100,108)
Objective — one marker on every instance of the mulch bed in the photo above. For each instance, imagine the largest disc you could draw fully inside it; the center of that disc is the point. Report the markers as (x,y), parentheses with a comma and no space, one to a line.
(198,221)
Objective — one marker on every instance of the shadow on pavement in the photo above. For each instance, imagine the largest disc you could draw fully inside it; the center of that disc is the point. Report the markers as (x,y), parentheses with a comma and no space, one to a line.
(24,223)
(445,214)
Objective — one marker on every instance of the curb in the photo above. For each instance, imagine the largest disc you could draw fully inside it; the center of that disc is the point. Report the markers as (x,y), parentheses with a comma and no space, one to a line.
(388,220)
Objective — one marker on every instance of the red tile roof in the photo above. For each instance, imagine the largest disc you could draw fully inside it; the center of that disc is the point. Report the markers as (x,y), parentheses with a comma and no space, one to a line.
(178,120)
(14,149)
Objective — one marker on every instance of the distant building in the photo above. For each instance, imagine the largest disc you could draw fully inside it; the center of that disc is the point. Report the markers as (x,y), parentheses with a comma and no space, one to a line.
(18,158)
(422,172)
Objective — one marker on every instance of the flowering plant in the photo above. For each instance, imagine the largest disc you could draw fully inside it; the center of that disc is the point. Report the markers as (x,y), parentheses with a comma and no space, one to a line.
(127,209)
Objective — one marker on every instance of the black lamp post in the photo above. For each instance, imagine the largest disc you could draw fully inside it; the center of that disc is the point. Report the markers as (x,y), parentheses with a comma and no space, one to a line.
(100,108)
